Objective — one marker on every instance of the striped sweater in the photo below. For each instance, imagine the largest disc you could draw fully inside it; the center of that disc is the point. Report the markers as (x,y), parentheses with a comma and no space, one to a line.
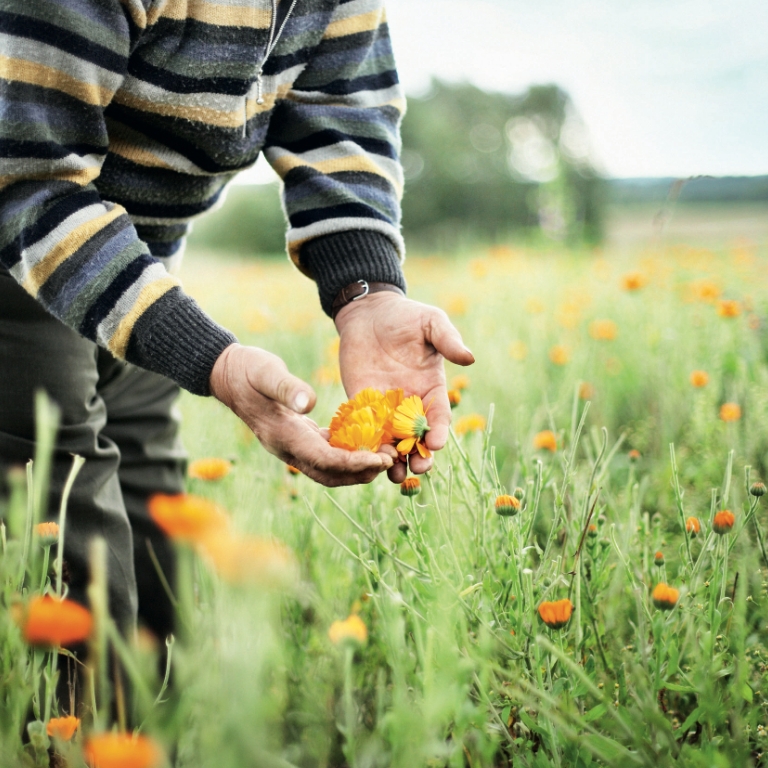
(123,120)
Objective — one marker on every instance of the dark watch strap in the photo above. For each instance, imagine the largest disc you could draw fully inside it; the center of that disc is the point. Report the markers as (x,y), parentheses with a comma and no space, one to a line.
(359,290)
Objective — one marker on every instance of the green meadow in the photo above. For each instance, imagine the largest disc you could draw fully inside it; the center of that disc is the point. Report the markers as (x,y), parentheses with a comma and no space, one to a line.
(455,666)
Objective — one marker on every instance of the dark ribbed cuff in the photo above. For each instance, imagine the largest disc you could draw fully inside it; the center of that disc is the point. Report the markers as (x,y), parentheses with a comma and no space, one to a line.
(175,338)
(345,257)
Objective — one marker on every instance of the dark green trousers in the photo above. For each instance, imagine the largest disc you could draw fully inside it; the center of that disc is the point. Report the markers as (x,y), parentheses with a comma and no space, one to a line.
(121,420)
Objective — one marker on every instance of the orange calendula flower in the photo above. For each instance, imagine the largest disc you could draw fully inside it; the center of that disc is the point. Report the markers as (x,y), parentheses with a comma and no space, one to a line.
(185,517)
(706,290)
(454,397)
(51,622)
(730,411)
(559,355)
(518,350)
(545,440)
(586,391)
(351,630)
(556,614)
(658,559)
(664,596)
(62,727)
(361,430)
(506,505)
(410,425)
(251,560)
(723,521)
(292,470)
(47,533)
(534,306)
(460,382)
(603,330)
(209,469)
(728,308)
(634,455)
(699,379)
(633,281)
(365,421)
(122,750)
(411,486)
(472,422)
(693,526)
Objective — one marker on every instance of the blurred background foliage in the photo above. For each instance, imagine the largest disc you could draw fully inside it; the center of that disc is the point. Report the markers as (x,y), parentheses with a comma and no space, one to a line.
(478,166)
(484,168)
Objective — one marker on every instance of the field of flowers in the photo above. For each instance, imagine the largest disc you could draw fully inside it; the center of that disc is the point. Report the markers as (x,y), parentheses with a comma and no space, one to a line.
(582,579)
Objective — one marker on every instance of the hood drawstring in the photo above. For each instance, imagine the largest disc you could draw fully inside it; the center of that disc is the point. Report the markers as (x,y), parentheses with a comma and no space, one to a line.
(271,43)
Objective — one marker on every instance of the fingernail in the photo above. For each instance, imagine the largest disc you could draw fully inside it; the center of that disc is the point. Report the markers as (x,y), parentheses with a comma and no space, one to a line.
(301,402)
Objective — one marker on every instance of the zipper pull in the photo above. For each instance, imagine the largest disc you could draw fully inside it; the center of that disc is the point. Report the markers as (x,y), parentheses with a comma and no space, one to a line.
(259,96)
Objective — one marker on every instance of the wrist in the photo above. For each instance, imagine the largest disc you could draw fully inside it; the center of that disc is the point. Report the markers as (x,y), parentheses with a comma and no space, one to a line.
(359,291)
(218,381)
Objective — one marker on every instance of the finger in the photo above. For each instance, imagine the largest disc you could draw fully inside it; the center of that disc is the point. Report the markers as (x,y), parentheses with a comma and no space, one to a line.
(270,376)
(397,472)
(419,465)
(439,418)
(336,461)
(325,433)
(390,450)
(446,339)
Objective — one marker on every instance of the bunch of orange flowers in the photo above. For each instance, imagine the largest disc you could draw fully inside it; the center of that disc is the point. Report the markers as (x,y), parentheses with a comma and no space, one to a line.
(373,418)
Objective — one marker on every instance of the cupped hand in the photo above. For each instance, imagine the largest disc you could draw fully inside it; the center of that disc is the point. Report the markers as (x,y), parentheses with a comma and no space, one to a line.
(388,342)
(257,386)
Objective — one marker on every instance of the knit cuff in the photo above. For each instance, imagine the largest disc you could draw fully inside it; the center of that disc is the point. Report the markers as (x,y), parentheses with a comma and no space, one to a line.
(345,257)
(176,339)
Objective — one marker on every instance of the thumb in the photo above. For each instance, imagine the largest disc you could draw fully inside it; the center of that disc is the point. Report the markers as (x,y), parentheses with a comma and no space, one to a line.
(269,375)
(446,339)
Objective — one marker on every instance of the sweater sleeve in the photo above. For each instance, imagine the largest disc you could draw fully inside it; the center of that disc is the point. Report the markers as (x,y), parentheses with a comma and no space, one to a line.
(334,140)
(79,255)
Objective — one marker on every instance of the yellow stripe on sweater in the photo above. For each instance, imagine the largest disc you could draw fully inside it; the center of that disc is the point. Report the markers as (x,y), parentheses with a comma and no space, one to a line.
(70,244)
(365,22)
(49,77)
(118,344)
(218,14)
(335,165)
(81,177)
(138,155)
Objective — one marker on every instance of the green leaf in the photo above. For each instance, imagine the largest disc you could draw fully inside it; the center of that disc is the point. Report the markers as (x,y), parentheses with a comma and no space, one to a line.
(608,749)
(674,657)
(691,719)
(678,687)
(595,713)
(746,692)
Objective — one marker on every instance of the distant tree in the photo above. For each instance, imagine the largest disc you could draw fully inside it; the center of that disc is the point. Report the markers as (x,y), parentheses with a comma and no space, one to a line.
(487,164)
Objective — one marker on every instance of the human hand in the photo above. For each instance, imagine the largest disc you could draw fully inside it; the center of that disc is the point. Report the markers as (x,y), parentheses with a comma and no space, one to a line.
(257,386)
(390,342)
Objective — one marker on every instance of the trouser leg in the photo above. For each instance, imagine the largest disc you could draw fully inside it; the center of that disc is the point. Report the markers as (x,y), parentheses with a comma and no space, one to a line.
(39,352)
(144,424)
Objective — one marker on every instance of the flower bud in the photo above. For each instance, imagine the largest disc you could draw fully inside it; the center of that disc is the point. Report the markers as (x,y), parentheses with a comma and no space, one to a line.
(556,614)
(723,521)
(411,486)
(47,533)
(757,489)
(507,506)
(454,397)
(665,597)
(693,526)
(519,493)
(658,559)
(592,531)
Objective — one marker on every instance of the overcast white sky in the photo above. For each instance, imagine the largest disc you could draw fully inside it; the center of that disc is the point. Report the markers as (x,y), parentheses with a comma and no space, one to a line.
(666,87)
